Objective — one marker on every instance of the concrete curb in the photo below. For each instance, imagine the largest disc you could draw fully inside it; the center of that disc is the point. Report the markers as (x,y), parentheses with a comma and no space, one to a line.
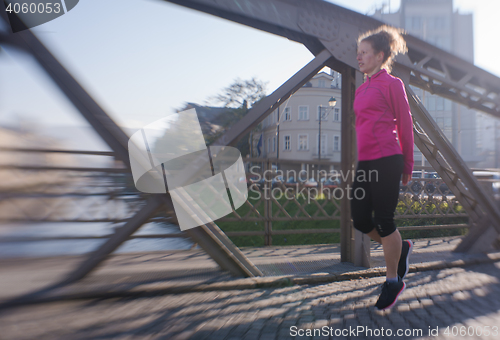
(164,288)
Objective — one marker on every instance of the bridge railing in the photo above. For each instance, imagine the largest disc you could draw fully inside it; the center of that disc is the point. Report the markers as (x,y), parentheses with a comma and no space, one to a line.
(288,197)
(285,197)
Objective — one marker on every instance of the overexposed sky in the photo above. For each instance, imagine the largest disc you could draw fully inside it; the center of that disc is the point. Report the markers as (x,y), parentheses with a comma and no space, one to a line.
(141,59)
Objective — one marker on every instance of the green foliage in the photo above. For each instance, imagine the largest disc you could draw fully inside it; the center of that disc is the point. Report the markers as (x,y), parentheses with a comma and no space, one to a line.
(421,207)
(241,93)
(238,98)
(292,209)
(424,206)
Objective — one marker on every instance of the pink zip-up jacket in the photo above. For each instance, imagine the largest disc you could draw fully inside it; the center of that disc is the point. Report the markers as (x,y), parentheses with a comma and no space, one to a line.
(382,115)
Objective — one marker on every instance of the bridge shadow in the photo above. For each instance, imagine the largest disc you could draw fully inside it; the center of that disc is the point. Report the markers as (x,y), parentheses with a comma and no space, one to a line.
(468,297)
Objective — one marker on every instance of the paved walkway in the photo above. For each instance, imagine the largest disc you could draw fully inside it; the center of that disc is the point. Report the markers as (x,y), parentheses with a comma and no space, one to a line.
(171,271)
(455,300)
(170,295)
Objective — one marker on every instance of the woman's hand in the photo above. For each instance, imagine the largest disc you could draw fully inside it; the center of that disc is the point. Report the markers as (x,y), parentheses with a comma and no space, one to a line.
(406,178)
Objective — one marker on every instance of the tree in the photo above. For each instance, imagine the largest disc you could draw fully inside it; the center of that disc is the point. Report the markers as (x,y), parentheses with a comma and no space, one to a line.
(241,94)
(238,98)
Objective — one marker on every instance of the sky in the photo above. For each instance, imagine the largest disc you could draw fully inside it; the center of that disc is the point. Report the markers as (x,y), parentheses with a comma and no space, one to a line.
(142,59)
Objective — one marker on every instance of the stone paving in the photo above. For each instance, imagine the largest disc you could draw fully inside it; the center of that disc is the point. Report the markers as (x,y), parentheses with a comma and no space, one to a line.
(187,268)
(439,304)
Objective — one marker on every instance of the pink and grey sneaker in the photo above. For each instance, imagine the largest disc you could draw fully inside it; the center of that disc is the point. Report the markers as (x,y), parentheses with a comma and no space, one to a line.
(390,294)
(404,260)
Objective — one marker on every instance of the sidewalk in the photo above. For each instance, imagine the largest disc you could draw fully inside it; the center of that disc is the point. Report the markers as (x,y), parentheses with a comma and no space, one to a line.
(189,271)
(450,300)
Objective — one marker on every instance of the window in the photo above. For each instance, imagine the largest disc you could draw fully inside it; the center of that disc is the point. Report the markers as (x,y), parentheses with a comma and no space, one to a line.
(287,144)
(288,113)
(336,143)
(416,23)
(440,22)
(321,83)
(430,103)
(303,112)
(447,122)
(440,123)
(447,104)
(336,114)
(274,144)
(439,104)
(268,145)
(303,142)
(413,23)
(322,113)
(323,143)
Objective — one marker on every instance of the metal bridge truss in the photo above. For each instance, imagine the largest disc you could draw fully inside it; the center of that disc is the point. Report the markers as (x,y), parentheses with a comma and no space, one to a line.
(330,33)
(325,28)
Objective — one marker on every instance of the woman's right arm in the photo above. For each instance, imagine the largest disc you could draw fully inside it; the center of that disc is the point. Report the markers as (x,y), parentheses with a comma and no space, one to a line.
(404,123)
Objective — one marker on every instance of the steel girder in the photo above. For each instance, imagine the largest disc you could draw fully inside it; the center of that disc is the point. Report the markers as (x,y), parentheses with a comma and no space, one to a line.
(484,216)
(267,105)
(321,25)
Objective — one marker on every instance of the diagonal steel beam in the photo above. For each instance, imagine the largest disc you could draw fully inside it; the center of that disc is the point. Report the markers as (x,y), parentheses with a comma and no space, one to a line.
(120,235)
(447,162)
(263,108)
(317,23)
(107,129)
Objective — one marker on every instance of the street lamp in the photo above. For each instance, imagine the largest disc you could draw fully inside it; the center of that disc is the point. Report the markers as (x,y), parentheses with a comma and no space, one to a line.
(332,102)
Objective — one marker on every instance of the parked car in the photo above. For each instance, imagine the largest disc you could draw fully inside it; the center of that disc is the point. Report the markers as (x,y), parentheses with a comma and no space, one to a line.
(256,182)
(431,186)
(415,184)
(291,182)
(276,181)
(490,180)
(329,183)
(311,183)
(419,182)
(253,181)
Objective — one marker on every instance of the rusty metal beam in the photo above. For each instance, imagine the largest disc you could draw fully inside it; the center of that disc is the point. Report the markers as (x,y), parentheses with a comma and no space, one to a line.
(263,108)
(458,177)
(107,129)
(425,66)
(121,234)
(319,24)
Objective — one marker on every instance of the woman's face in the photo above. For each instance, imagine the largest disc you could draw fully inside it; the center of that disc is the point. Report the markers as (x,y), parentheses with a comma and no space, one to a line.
(369,62)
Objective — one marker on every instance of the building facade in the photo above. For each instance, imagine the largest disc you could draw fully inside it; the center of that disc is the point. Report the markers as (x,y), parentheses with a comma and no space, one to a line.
(292,131)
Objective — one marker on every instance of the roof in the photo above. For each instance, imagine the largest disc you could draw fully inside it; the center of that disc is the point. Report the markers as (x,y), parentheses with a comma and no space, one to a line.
(323,74)
(210,117)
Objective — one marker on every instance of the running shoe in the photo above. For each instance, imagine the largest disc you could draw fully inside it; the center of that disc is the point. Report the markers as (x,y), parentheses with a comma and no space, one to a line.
(404,263)
(390,294)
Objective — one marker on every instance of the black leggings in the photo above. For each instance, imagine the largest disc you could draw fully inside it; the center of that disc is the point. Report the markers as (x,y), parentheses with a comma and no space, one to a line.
(374,206)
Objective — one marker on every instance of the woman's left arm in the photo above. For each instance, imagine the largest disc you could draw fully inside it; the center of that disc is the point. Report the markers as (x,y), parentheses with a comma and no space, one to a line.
(404,123)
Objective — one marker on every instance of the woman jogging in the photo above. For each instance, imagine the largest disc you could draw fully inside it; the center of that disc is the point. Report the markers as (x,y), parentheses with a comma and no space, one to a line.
(384,131)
